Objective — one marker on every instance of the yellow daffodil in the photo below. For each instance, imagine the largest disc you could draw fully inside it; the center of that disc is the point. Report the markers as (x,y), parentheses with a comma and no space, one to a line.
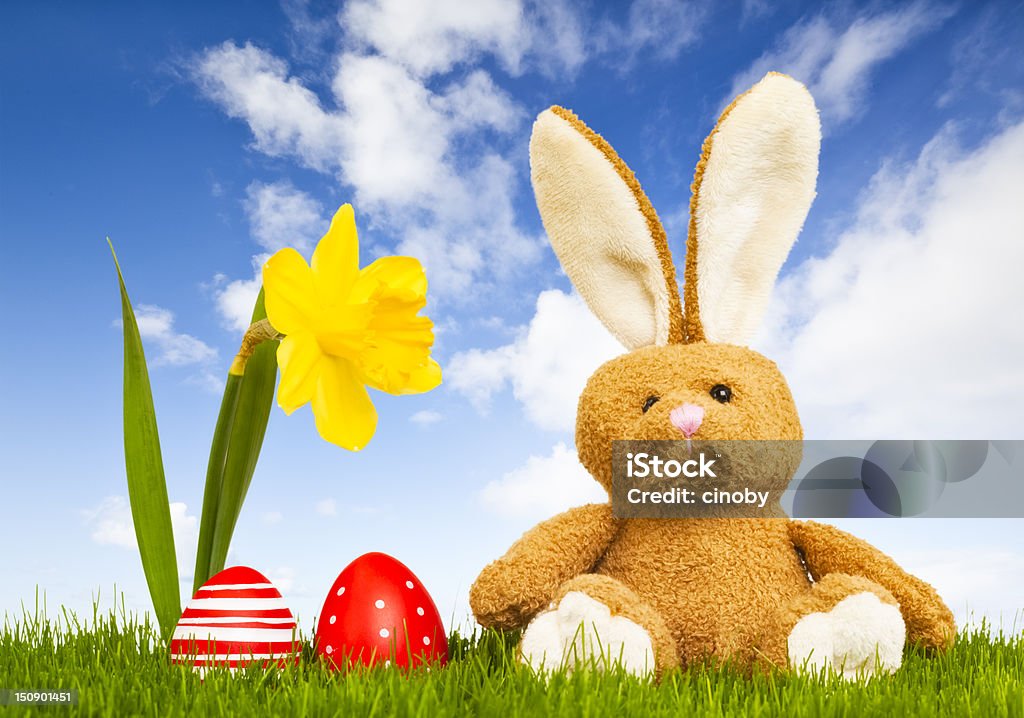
(347,328)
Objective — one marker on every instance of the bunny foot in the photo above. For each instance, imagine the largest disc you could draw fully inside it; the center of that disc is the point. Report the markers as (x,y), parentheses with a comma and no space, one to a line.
(581,631)
(860,637)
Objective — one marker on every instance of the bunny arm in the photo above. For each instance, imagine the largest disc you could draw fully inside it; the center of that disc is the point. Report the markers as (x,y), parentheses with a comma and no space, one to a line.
(825,549)
(511,590)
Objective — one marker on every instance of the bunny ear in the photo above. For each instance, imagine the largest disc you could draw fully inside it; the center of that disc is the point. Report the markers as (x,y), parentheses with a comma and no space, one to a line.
(604,231)
(751,192)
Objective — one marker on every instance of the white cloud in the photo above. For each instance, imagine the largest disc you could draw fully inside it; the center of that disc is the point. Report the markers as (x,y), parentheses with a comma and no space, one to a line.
(310,34)
(557,45)
(543,487)
(413,137)
(547,366)
(425,417)
(432,37)
(282,216)
(478,102)
(283,577)
(156,326)
(399,134)
(327,507)
(235,298)
(279,215)
(208,380)
(836,61)
(186,537)
(908,327)
(285,117)
(478,374)
(753,10)
(110,524)
(400,144)
(392,138)
(984,60)
(272,517)
(395,137)
(663,27)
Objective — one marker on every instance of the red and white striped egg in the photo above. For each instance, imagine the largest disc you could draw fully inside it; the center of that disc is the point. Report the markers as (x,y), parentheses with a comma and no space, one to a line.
(236,618)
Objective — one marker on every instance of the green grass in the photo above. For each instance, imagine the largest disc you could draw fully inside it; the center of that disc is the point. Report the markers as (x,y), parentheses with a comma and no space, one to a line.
(119,667)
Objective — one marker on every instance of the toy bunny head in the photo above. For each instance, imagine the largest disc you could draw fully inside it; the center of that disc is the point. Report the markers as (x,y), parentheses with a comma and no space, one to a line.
(687,373)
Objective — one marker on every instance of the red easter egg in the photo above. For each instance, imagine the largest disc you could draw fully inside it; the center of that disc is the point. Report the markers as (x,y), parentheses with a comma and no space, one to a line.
(378,612)
(236,618)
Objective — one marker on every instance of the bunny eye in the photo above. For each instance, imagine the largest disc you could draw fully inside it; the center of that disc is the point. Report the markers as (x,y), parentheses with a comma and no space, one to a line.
(651,401)
(721,393)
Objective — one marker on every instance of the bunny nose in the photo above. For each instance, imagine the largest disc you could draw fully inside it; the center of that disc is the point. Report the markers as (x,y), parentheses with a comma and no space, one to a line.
(687,418)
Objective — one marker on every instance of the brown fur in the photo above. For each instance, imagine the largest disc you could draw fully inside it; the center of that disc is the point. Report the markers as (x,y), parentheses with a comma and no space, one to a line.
(715,587)
(723,588)
(827,550)
(714,581)
(513,589)
(611,405)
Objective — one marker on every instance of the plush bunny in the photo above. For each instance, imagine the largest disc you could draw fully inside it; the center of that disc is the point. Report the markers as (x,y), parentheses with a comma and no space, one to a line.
(653,594)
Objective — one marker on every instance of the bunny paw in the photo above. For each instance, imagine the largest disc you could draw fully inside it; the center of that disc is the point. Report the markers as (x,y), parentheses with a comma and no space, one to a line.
(860,637)
(580,631)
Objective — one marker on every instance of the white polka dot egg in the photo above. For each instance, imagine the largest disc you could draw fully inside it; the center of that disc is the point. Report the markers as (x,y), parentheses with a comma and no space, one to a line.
(378,613)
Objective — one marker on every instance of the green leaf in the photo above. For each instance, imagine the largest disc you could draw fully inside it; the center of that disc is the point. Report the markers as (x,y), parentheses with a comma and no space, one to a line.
(235,451)
(147,488)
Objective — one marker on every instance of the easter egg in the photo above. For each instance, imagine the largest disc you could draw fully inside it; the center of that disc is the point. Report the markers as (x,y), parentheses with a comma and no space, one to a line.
(236,618)
(379,613)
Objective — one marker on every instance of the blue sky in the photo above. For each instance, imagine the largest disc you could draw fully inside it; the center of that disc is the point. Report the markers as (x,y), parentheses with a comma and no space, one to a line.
(200,137)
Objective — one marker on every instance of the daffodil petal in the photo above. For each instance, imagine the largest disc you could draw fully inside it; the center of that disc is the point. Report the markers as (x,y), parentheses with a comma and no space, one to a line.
(397,273)
(341,405)
(424,378)
(289,293)
(336,259)
(299,357)
(398,379)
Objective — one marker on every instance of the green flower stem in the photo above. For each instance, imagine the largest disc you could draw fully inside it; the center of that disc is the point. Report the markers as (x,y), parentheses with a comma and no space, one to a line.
(214,478)
(237,440)
(252,414)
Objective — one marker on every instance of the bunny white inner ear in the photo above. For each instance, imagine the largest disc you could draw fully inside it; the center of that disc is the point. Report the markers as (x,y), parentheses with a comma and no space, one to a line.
(760,166)
(604,231)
